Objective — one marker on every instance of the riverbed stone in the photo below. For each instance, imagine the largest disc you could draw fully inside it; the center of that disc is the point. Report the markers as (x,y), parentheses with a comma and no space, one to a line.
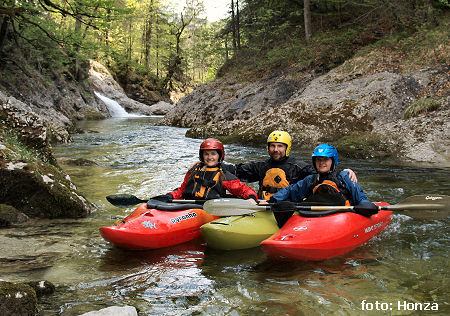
(10,215)
(42,287)
(17,300)
(114,311)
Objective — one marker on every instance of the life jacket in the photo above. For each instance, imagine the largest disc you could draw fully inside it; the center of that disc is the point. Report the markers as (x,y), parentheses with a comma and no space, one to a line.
(274,180)
(204,182)
(328,192)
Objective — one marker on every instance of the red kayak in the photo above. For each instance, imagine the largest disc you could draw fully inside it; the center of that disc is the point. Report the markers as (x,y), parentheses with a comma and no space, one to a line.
(148,228)
(320,238)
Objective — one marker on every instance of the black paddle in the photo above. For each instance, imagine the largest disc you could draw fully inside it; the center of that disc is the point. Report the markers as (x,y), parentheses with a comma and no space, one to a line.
(417,206)
(129,199)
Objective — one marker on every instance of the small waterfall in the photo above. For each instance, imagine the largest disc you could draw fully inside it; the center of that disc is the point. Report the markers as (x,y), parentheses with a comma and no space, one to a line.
(115,109)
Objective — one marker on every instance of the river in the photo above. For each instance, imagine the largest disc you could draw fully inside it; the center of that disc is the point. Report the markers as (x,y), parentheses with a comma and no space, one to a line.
(408,262)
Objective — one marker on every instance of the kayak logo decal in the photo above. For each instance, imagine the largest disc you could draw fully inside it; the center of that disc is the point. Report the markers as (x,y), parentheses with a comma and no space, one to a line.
(183,218)
(373,227)
(148,224)
(433,198)
(300,228)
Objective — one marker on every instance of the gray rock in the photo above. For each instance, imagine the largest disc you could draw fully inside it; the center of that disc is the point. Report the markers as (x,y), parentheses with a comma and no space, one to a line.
(161,108)
(104,83)
(113,311)
(56,99)
(346,105)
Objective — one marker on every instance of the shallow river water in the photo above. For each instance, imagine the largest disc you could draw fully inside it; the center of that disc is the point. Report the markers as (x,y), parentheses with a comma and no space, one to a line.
(408,263)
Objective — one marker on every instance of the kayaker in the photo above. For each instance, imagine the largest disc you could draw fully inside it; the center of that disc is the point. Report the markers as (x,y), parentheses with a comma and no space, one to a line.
(207,179)
(327,187)
(279,170)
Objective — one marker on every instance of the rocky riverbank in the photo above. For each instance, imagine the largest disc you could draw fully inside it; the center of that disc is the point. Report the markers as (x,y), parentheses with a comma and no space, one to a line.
(39,109)
(382,102)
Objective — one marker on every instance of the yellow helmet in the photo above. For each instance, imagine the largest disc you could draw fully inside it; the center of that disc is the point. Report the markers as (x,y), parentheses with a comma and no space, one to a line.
(281,137)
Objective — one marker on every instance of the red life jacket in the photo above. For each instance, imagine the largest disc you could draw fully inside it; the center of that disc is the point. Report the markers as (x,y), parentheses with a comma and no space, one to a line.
(204,183)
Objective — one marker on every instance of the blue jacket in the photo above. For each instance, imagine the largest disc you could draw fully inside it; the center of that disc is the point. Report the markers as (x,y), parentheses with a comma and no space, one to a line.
(298,191)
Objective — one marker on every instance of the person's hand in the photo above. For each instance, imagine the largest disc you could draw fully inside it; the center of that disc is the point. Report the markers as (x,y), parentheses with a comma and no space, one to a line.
(366,209)
(253,199)
(352,175)
(167,198)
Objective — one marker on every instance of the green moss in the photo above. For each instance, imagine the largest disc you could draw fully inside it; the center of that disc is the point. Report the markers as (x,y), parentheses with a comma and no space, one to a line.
(422,105)
(17,149)
(365,145)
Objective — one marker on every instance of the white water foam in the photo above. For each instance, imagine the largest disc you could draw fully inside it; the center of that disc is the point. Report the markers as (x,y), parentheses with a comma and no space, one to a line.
(115,109)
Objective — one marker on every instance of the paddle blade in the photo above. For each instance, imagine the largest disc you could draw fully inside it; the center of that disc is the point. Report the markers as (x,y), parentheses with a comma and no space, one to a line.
(231,207)
(124,199)
(426,207)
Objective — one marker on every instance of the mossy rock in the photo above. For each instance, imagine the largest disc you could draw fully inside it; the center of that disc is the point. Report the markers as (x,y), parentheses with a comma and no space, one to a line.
(41,190)
(365,145)
(17,300)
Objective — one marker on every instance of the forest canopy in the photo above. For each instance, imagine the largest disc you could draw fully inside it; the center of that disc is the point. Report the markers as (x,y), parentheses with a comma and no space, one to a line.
(147,40)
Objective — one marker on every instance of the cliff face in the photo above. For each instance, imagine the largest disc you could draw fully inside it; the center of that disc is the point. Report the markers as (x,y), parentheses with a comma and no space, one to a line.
(375,104)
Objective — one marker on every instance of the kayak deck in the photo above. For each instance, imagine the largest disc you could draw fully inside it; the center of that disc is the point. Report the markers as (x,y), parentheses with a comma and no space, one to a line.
(239,232)
(152,229)
(320,238)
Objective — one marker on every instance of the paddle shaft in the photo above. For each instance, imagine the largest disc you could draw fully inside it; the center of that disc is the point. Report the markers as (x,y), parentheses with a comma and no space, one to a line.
(231,207)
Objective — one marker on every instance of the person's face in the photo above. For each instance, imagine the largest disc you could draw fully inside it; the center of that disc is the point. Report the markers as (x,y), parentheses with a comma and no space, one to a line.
(323,164)
(277,151)
(210,157)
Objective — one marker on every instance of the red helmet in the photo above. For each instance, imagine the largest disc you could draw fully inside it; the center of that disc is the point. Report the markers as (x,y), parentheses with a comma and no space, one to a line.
(212,144)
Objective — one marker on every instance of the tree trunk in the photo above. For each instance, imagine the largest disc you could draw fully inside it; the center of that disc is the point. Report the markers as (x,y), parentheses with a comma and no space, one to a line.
(238,26)
(157,46)
(307,18)
(148,35)
(77,70)
(3,31)
(233,26)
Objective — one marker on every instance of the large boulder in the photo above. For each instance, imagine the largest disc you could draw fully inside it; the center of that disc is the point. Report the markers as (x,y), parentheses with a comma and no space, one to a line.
(41,190)
(30,179)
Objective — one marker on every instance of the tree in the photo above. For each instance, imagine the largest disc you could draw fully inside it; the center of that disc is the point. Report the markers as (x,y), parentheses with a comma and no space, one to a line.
(307,18)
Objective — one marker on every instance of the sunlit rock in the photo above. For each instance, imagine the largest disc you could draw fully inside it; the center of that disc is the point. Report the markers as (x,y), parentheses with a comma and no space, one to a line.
(113,311)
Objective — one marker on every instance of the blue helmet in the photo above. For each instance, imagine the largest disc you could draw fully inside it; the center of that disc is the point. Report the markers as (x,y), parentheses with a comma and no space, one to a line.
(325,150)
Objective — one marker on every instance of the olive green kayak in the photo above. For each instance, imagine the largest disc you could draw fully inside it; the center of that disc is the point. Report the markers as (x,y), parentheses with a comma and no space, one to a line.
(239,232)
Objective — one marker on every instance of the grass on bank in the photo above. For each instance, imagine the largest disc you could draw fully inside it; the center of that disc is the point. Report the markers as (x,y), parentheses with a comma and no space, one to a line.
(427,46)
(422,105)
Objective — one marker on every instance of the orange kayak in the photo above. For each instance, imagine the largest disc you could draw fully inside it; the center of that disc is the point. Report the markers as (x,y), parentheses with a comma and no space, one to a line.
(148,228)
(320,238)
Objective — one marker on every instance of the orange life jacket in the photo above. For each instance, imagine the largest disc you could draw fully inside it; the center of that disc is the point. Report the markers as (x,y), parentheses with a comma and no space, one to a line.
(274,180)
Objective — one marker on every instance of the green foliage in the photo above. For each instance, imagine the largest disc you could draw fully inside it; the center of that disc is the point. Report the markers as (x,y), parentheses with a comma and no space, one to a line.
(422,105)
(16,149)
